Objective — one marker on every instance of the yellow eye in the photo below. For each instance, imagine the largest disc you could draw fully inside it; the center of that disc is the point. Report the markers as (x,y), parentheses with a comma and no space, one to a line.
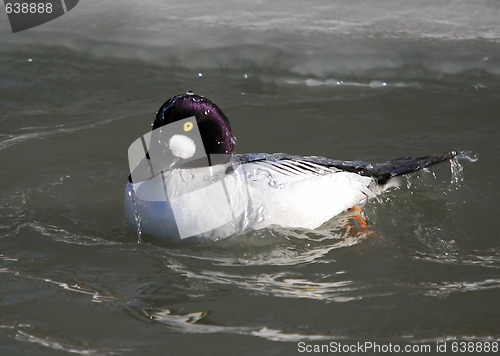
(188,126)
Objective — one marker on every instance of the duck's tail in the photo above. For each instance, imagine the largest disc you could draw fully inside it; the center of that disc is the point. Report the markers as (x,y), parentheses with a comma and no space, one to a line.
(393,168)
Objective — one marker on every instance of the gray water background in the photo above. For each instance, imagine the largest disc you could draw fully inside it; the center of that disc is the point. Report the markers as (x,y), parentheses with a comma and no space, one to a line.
(356,80)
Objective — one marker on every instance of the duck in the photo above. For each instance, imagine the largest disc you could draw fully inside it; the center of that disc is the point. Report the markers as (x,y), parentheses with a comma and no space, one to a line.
(186,183)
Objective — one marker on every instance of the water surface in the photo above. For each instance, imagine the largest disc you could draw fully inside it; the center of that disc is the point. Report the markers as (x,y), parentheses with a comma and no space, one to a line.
(349,80)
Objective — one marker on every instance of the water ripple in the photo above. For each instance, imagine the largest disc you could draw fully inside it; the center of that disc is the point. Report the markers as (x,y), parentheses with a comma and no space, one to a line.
(444,289)
(49,131)
(280,284)
(77,287)
(31,334)
(193,323)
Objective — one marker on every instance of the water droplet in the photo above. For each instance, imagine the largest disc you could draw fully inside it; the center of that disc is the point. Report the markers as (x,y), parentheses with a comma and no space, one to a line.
(137,215)
(260,215)
(186,176)
(233,140)
(200,74)
(30,60)
(196,100)
(245,76)
(377,84)
(467,156)
(189,92)
(207,112)
(269,176)
(457,171)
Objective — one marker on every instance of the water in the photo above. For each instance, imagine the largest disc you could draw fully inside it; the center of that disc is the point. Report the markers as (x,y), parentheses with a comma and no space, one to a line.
(137,215)
(345,80)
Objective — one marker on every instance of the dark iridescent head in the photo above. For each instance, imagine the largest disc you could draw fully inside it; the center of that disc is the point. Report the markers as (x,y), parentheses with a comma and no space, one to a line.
(213,124)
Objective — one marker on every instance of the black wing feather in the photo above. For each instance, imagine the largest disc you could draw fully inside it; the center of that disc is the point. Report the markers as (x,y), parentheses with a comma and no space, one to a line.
(382,172)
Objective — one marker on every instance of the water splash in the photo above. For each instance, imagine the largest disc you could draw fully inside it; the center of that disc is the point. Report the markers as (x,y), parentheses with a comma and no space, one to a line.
(457,170)
(137,215)
(267,174)
(468,156)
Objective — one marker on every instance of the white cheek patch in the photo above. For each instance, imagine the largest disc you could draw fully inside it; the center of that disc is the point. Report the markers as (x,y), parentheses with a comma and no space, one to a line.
(182,146)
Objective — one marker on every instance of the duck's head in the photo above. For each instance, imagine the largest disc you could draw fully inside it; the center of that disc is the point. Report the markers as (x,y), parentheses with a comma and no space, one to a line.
(213,124)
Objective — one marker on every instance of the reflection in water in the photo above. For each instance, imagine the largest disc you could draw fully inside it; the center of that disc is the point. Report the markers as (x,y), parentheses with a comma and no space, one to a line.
(445,288)
(27,333)
(291,249)
(193,323)
(76,287)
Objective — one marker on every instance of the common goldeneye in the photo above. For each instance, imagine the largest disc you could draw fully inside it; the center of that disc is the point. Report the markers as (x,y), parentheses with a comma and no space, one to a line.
(186,182)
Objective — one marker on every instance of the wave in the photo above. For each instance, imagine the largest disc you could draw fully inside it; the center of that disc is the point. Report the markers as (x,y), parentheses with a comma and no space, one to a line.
(344,38)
